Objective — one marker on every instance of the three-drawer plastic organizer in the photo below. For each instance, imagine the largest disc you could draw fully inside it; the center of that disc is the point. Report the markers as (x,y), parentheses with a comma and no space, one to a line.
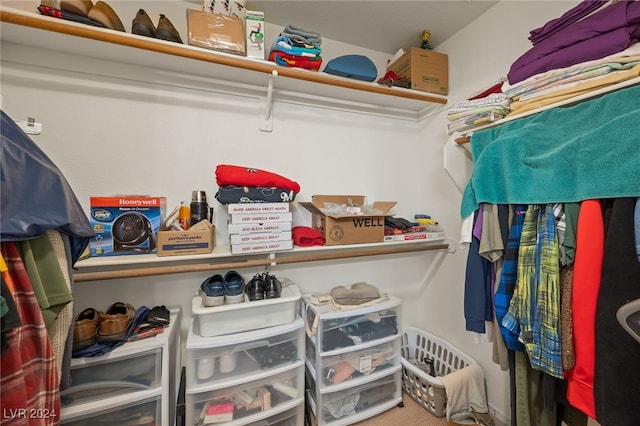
(353,361)
(245,363)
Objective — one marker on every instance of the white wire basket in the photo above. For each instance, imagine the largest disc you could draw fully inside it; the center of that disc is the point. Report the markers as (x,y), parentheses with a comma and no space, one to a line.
(425,389)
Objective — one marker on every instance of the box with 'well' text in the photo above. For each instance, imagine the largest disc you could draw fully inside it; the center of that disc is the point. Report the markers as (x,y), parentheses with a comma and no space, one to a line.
(339,229)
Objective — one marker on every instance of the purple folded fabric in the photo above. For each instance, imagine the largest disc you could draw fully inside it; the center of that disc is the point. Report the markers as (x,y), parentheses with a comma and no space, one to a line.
(587,50)
(619,18)
(569,17)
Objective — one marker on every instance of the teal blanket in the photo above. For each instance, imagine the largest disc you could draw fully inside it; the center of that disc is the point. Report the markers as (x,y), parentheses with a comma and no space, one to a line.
(567,154)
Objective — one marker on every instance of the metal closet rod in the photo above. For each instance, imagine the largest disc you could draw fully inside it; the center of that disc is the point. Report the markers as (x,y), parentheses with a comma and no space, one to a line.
(177,269)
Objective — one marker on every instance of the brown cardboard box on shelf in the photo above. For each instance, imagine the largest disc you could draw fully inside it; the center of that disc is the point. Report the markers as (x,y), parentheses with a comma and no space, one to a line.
(426,70)
(348,229)
(216,31)
(199,239)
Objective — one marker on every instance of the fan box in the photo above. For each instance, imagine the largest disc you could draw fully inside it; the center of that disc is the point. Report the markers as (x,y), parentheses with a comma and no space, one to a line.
(192,241)
(348,229)
(125,225)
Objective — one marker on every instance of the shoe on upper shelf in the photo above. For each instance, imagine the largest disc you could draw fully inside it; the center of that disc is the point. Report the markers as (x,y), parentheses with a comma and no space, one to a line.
(272,286)
(166,30)
(77,7)
(115,322)
(255,288)
(142,25)
(103,13)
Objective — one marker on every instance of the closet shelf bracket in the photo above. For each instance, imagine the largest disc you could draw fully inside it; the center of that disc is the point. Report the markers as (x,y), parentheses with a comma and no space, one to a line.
(265,112)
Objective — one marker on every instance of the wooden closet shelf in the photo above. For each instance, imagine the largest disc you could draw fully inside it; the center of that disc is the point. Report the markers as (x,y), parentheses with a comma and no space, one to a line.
(221,262)
(40,31)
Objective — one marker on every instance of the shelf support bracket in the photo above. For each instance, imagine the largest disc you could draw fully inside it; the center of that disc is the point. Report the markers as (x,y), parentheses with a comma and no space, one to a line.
(265,112)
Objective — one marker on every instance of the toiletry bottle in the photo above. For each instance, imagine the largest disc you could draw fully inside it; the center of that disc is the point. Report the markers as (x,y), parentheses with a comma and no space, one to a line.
(184,215)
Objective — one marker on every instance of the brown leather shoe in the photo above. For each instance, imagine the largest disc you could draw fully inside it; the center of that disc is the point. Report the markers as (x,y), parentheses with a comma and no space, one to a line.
(115,322)
(77,7)
(142,25)
(166,30)
(102,13)
(85,328)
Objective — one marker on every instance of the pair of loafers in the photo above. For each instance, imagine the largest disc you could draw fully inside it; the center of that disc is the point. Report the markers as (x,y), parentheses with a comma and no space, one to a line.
(92,326)
(263,286)
(100,12)
(142,25)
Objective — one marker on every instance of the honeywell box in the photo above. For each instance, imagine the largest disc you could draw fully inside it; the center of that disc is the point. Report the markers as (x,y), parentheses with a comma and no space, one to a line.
(348,228)
(198,239)
(125,224)
(426,70)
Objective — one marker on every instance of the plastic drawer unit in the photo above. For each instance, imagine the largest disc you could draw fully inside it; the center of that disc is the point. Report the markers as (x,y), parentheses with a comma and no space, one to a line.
(343,368)
(137,373)
(220,360)
(335,329)
(144,412)
(291,417)
(248,401)
(249,315)
(356,403)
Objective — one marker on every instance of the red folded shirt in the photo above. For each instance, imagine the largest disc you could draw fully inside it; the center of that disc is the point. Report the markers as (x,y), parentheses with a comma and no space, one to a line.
(249,176)
(304,236)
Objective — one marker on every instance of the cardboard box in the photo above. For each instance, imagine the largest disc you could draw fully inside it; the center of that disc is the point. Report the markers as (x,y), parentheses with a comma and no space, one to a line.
(253,228)
(125,224)
(416,236)
(261,217)
(427,70)
(261,247)
(251,208)
(254,28)
(199,239)
(262,237)
(348,229)
(216,31)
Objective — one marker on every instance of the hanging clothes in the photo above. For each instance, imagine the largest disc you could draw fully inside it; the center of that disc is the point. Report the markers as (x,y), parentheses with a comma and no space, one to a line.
(29,383)
(35,195)
(617,373)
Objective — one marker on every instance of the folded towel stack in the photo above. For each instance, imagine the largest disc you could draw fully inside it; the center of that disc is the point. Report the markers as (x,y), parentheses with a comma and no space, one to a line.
(297,47)
(467,115)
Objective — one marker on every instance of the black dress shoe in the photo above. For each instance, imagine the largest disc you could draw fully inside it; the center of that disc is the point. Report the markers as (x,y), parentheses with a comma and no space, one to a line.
(273,286)
(255,288)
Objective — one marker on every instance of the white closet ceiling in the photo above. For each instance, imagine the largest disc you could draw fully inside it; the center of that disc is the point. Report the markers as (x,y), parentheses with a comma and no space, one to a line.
(383,25)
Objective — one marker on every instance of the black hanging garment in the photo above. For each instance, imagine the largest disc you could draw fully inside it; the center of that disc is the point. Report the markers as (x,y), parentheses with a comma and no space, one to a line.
(617,373)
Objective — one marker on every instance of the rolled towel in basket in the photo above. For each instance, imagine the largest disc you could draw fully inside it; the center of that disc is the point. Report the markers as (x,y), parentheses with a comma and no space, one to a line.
(465,390)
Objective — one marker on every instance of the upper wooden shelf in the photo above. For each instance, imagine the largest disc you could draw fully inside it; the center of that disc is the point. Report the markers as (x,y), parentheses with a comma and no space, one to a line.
(33,30)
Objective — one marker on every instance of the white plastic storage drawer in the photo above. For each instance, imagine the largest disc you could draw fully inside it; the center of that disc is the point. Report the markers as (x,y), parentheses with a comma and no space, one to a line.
(240,317)
(113,374)
(351,405)
(348,368)
(247,402)
(291,417)
(144,412)
(344,328)
(212,361)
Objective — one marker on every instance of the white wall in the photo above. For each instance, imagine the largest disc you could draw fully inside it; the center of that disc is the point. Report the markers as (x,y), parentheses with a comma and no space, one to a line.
(113,135)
